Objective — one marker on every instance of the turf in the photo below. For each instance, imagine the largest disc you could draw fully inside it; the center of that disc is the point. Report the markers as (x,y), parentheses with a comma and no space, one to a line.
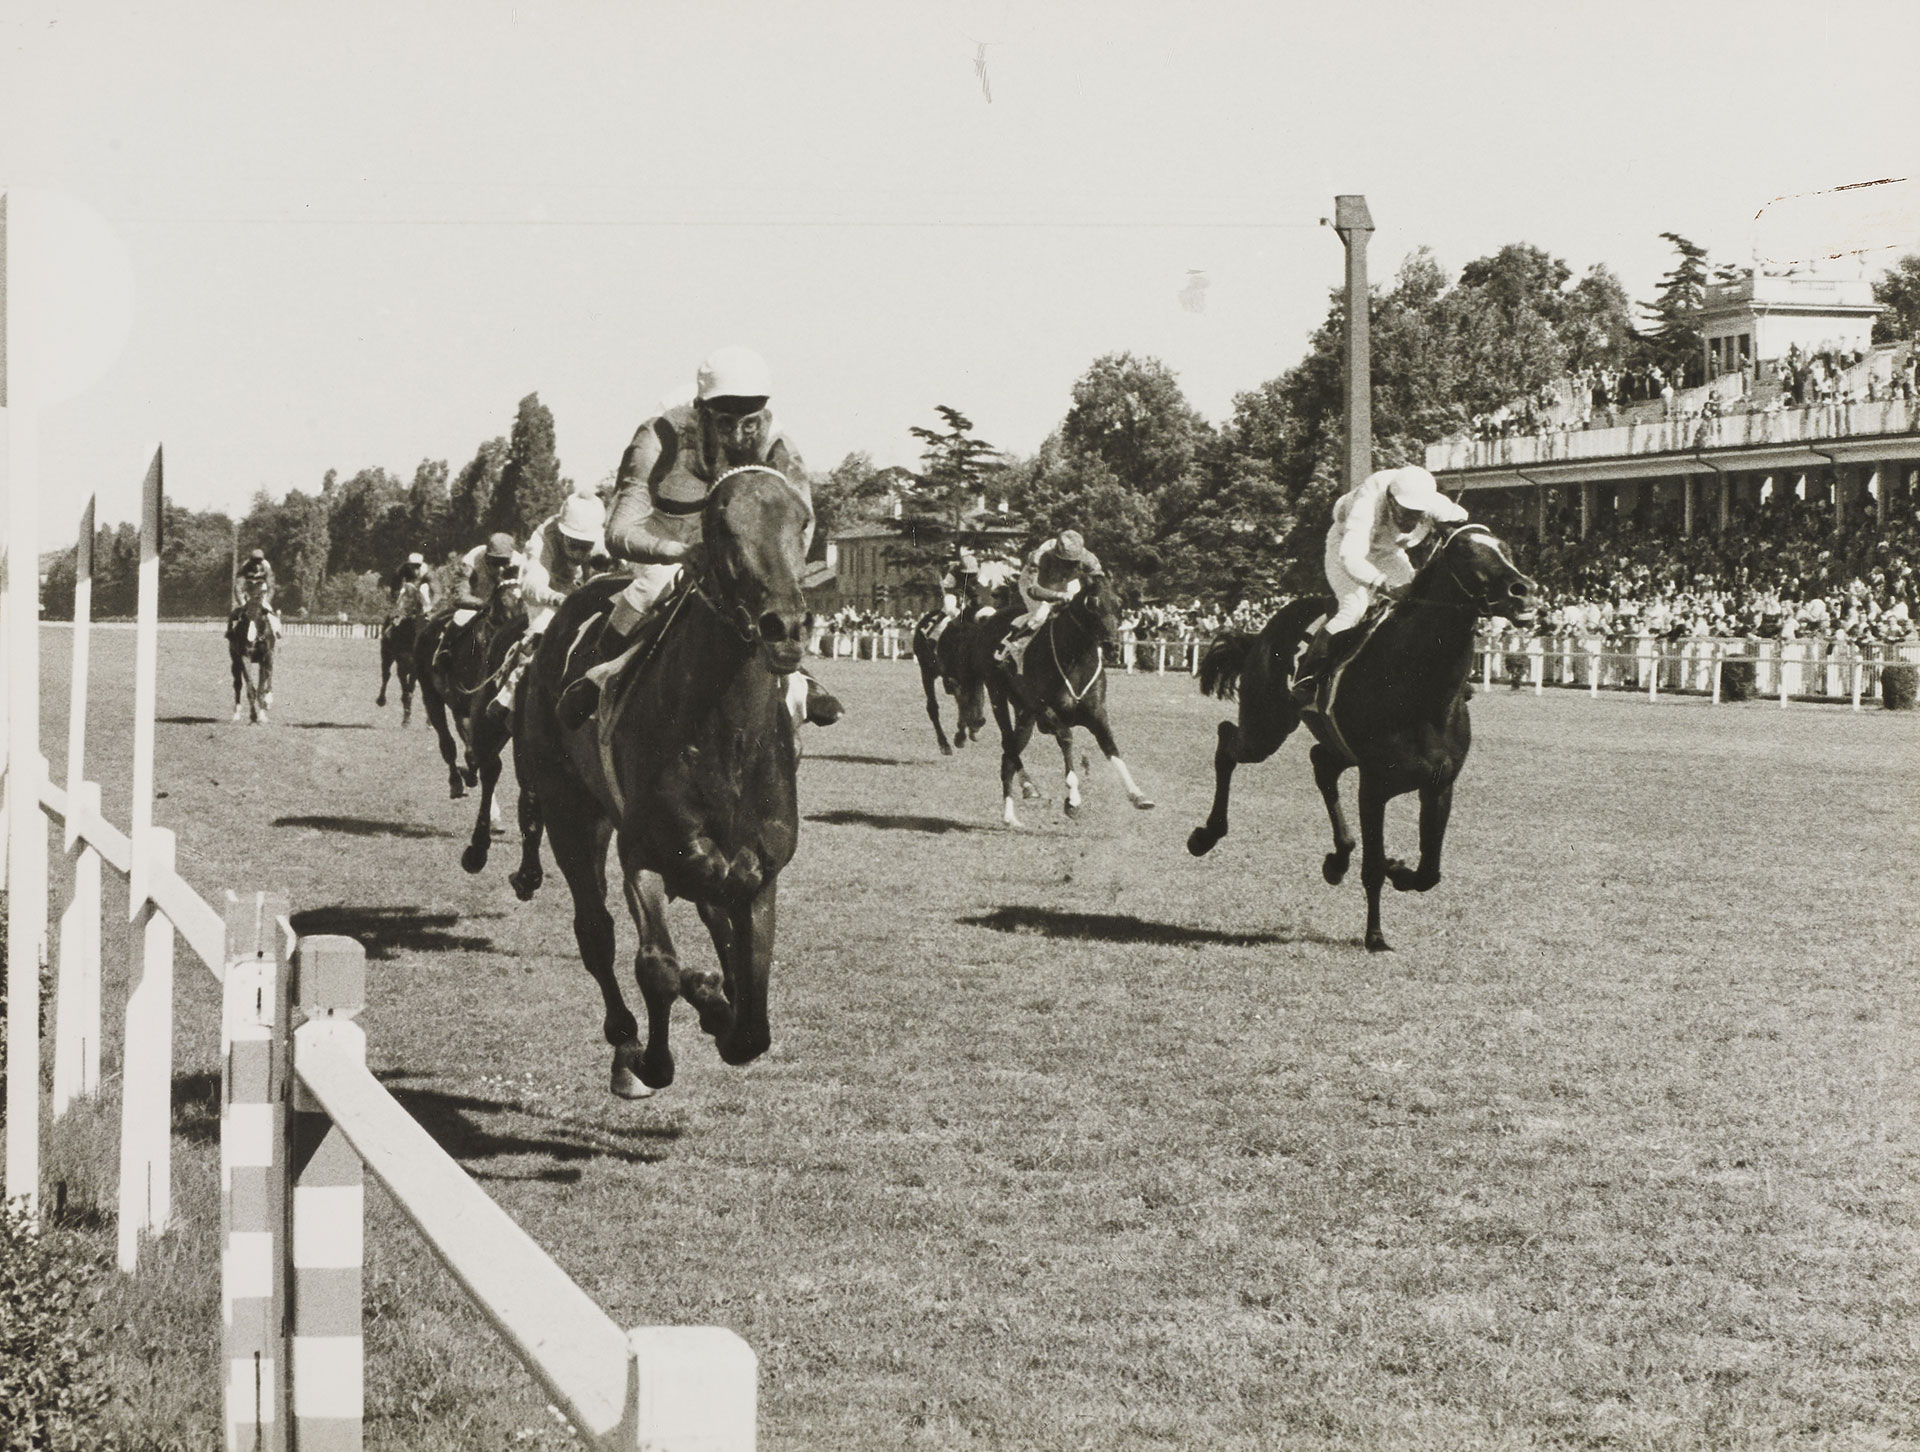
(1067,1139)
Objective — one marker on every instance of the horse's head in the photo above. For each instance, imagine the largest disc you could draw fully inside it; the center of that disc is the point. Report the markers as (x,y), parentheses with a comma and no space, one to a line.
(1096,607)
(1471,567)
(755,528)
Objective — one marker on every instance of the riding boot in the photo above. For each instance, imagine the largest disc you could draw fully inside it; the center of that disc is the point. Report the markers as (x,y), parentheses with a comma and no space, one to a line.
(823,707)
(580,699)
(1313,665)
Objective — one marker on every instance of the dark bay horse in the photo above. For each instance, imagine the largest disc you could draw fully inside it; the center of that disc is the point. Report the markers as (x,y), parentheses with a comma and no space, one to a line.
(1061,683)
(398,644)
(940,664)
(459,667)
(1399,709)
(689,764)
(250,653)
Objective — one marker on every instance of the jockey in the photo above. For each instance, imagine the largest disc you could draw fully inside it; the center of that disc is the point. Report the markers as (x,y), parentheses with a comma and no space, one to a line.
(660,493)
(412,589)
(1055,570)
(1373,527)
(485,568)
(255,582)
(559,560)
(958,581)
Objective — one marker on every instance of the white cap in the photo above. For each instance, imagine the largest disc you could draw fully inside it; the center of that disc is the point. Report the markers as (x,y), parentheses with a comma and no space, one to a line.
(733,373)
(583,516)
(1413,488)
(416,558)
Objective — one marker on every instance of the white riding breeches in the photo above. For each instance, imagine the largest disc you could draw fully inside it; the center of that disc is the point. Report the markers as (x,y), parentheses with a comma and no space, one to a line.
(650,582)
(1352,596)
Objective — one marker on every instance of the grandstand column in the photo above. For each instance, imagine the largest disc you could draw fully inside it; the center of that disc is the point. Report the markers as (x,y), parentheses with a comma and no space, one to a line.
(1586,508)
(1842,482)
(1687,492)
(1540,512)
(1877,482)
(1726,488)
(1354,223)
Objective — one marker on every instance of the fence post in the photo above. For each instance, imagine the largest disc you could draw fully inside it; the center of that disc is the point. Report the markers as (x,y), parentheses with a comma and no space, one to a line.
(1719,656)
(76,1023)
(690,1387)
(327,1211)
(1780,649)
(1653,668)
(254,1062)
(1537,665)
(1593,673)
(146,1079)
(1854,667)
(1160,661)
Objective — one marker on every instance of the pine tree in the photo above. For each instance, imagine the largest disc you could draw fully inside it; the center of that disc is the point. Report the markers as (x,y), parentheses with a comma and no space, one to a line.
(1673,341)
(530,488)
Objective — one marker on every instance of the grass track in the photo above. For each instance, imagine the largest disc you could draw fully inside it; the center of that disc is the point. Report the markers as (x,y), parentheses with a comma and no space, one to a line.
(1069,1140)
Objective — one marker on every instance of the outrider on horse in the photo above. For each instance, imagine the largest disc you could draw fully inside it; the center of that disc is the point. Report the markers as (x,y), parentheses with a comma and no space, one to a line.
(688,762)
(1059,683)
(1396,708)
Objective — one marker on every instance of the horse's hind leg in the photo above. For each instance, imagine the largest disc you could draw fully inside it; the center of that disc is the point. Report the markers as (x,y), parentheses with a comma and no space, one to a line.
(239,685)
(580,848)
(1373,855)
(1328,767)
(1012,742)
(437,718)
(527,877)
(1072,778)
(1238,742)
(927,674)
(1436,805)
(489,746)
(1096,722)
(386,670)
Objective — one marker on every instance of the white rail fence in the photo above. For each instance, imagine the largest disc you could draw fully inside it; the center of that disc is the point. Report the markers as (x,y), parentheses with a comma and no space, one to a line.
(300,1116)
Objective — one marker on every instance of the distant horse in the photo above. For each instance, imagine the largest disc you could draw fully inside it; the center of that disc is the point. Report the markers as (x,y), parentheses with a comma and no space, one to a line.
(939,660)
(459,668)
(398,644)
(250,653)
(689,762)
(1061,683)
(1398,712)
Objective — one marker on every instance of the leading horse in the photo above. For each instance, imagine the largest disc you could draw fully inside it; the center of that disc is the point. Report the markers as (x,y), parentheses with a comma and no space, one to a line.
(689,764)
(1060,683)
(1398,710)
(250,654)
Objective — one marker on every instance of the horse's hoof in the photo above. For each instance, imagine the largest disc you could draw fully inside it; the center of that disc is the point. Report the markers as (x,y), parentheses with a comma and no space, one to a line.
(475,857)
(626,1085)
(1200,841)
(1143,804)
(656,1070)
(1377,943)
(708,995)
(469,776)
(1072,809)
(945,750)
(456,790)
(380,700)
(525,884)
(1029,792)
(1334,868)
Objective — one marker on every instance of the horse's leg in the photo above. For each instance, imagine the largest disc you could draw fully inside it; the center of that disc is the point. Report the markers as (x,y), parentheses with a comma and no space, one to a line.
(1250,740)
(1328,767)
(386,670)
(656,967)
(406,693)
(266,679)
(437,718)
(928,671)
(1096,722)
(527,877)
(490,742)
(1373,854)
(579,838)
(743,939)
(1012,743)
(1436,805)
(1064,736)
(1003,718)
(239,679)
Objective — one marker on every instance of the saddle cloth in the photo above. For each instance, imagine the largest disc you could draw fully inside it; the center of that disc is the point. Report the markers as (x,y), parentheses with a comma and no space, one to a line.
(1348,649)
(616,677)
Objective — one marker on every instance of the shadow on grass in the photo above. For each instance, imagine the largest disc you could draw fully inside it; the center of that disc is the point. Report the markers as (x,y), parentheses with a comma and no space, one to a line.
(187,720)
(387,932)
(851,759)
(330,725)
(1125,928)
(458,1125)
(196,1107)
(362,826)
(887,822)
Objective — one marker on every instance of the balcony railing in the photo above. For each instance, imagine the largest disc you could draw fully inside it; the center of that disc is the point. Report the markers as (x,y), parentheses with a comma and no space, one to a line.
(1811,425)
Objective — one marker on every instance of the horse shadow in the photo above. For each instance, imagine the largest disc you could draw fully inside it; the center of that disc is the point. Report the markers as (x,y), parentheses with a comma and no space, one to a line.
(187,720)
(1126,928)
(848,758)
(460,1125)
(389,932)
(362,827)
(891,822)
(332,725)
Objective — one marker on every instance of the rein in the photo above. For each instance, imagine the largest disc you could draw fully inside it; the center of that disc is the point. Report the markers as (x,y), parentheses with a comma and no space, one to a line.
(1441,560)
(1066,678)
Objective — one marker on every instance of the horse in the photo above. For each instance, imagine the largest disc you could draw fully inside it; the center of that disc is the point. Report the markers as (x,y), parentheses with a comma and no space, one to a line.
(940,661)
(689,762)
(1061,683)
(250,644)
(1398,707)
(398,642)
(459,668)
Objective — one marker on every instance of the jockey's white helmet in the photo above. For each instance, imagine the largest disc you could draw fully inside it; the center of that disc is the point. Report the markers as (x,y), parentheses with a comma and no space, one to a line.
(582,517)
(1413,488)
(733,373)
(416,558)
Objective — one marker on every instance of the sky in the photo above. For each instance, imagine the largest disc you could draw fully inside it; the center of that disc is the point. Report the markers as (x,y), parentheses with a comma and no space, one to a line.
(360,233)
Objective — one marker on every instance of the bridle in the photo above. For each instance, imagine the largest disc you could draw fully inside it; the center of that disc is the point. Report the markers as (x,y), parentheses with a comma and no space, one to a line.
(1442,560)
(712,584)
(1099,654)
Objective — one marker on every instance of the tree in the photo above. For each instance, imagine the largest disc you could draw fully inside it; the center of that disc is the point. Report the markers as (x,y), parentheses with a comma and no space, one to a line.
(425,522)
(470,498)
(1130,414)
(956,465)
(852,492)
(196,562)
(1598,329)
(358,519)
(529,487)
(1507,313)
(1673,341)
(1062,487)
(1899,293)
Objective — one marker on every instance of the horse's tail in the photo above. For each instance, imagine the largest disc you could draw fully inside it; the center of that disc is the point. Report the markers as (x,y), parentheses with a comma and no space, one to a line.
(1220,666)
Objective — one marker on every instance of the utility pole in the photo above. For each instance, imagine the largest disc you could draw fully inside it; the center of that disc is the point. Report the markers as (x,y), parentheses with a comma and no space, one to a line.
(1354,223)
